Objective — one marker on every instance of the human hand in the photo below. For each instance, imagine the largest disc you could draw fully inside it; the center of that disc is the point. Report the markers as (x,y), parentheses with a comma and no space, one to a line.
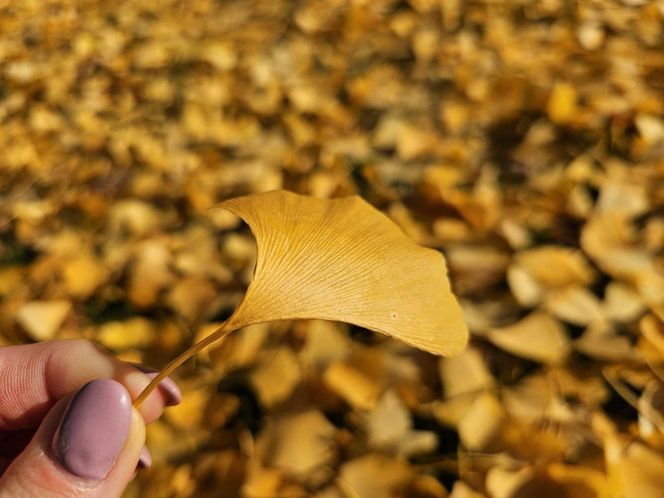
(67,424)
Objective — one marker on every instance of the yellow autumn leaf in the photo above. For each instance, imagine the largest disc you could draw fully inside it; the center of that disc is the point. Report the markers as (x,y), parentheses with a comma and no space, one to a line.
(341,260)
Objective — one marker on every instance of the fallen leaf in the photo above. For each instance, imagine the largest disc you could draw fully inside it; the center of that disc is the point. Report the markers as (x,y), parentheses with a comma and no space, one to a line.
(530,399)
(652,330)
(481,424)
(622,303)
(42,319)
(299,444)
(600,341)
(281,364)
(462,490)
(83,275)
(326,342)
(190,296)
(538,336)
(374,476)
(574,304)
(506,483)
(238,350)
(134,333)
(11,281)
(389,427)
(150,273)
(610,239)
(555,266)
(651,410)
(561,106)
(526,290)
(466,373)
(634,469)
(425,486)
(580,482)
(464,378)
(262,482)
(354,386)
(191,410)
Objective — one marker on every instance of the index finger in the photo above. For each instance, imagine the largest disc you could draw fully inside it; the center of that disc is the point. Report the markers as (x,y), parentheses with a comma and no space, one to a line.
(34,376)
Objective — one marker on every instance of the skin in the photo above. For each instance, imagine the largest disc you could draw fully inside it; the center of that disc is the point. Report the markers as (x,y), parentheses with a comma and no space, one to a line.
(37,381)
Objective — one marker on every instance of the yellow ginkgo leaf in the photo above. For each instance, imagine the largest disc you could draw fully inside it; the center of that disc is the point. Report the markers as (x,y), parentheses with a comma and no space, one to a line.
(342,260)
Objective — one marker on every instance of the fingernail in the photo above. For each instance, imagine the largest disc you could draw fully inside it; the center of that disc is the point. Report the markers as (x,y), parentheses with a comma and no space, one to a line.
(168,387)
(94,429)
(145,460)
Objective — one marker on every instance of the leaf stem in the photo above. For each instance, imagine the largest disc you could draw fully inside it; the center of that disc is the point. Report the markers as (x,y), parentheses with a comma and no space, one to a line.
(219,333)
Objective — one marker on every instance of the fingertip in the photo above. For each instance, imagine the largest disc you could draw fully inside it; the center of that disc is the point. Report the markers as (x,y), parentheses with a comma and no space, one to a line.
(94,429)
(88,445)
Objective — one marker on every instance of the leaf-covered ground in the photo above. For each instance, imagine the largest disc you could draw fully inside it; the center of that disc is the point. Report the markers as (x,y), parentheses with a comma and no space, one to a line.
(523,139)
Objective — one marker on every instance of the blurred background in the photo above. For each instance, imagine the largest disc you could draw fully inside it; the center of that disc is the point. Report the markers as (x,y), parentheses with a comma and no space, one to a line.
(523,139)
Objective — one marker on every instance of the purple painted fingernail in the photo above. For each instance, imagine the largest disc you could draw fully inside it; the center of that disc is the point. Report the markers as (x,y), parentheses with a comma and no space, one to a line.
(94,429)
(145,461)
(168,387)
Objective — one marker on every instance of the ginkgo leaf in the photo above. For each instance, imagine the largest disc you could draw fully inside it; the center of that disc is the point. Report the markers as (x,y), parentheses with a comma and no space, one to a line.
(342,260)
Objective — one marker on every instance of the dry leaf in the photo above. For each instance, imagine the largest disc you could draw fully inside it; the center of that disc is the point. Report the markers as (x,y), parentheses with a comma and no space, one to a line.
(526,290)
(652,330)
(651,409)
(281,364)
(464,378)
(425,486)
(190,296)
(354,386)
(42,319)
(134,333)
(600,341)
(574,304)
(530,399)
(374,476)
(333,260)
(83,274)
(623,198)
(191,410)
(451,117)
(506,483)
(466,373)
(389,422)
(461,490)
(538,337)
(238,350)
(481,424)
(261,482)
(476,267)
(11,281)
(610,239)
(622,303)
(579,481)
(342,260)
(634,469)
(555,266)
(562,103)
(150,273)
(299,444)
(330,492)
(326,342)
(389,427)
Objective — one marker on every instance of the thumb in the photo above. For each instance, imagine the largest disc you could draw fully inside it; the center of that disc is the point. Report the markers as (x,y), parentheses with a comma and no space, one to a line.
(88,445)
